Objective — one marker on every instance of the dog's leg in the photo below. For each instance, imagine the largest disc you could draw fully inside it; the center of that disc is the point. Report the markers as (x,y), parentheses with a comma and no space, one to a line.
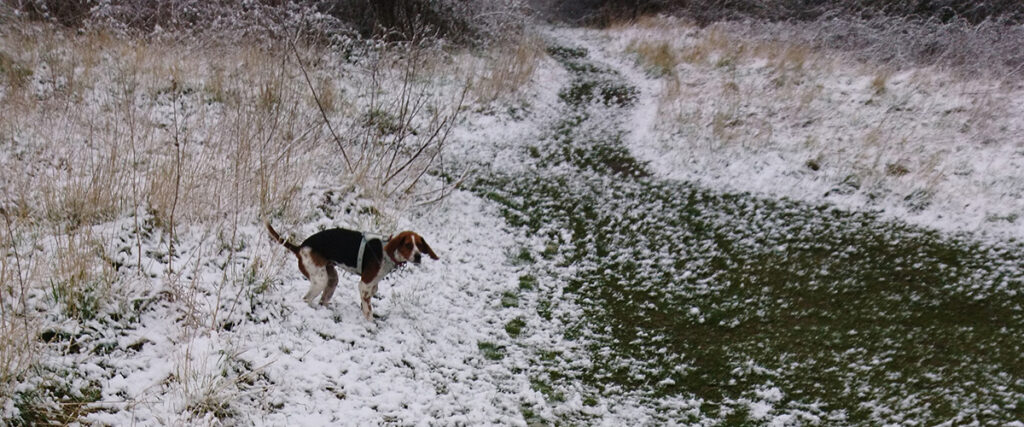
(366,291)
(316,268)
(364,296)
(332,283)
(318,281)
(368,287)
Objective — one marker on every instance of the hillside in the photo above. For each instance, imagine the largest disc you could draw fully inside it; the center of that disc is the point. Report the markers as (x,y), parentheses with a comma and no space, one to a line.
(655,222)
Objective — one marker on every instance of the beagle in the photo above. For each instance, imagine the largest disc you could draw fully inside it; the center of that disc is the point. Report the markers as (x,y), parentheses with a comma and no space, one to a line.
(370,256)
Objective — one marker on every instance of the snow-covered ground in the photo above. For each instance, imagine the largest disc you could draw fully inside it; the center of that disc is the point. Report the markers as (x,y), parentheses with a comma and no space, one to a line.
(281,362)
(223,337)
(920,145)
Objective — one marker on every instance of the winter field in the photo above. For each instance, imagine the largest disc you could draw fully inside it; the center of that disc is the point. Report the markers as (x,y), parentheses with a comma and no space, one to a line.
(651,224)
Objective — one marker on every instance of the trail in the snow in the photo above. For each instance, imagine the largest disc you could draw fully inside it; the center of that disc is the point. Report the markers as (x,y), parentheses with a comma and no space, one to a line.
(697,306)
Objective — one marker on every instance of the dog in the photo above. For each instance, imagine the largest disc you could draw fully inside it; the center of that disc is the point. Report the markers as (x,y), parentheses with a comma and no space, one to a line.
(370,256)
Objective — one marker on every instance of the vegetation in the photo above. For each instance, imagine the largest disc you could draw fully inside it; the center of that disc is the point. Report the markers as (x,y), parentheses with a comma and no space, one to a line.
(141,140)
(134,161)
(333,20)
(971,36)
(721,296)
(708,11)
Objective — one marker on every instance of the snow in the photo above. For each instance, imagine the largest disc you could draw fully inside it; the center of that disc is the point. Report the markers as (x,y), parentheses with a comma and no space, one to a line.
(266,358)
(961,142)
(418,363)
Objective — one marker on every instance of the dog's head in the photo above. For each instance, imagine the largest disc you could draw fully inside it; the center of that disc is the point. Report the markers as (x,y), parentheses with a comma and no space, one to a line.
(408,246)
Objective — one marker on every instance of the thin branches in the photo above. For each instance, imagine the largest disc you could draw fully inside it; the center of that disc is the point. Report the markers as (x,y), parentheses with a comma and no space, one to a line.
(319,105)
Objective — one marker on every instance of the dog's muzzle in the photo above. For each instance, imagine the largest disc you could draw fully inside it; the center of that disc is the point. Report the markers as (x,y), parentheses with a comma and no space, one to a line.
(416,259)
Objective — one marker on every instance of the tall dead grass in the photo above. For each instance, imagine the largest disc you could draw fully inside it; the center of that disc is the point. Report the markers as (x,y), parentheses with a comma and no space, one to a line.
(131,167)
(506,69)
(888,128)
(165,135)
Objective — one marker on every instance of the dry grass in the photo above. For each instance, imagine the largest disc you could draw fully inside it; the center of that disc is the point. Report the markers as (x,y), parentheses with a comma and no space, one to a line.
(81,275)
(178,142)
(150,136)
(879,80)
(505,70)
(657,57)
(18,326)
(891,129)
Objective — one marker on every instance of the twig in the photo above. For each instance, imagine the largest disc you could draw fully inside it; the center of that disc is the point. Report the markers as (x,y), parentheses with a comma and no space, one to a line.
(320,106)
(178,152)
(440,143)
(446,190)
(17,260)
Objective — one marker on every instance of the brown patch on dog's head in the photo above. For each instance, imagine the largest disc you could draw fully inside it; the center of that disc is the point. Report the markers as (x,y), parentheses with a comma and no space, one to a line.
(407,246)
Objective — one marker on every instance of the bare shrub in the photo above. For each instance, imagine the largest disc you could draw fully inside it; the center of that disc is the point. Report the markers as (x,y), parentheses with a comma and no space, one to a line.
(986,49)
(18,327)
(331,21)
(403,123)
(70,13)
(197,19)
(604,12)
(600,13)
(404,20)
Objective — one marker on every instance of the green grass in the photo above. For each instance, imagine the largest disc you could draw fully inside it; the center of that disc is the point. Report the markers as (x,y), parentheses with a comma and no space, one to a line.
(690,292)
(54,401)
(807,292)
(509,299)
(490,350)
(593,82)
(527,282)
(515,327)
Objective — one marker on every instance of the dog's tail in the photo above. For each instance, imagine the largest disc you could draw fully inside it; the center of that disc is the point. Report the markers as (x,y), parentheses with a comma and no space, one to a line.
(277,238)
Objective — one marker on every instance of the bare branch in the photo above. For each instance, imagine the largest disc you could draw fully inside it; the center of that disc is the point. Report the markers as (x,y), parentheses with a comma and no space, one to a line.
(319,105)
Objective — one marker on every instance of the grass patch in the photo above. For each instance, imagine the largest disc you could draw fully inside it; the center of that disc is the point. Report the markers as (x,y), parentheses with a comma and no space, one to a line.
(524,257)
(592,83)
(490,350)
(59,399)
(802,300)
(515,327)
(509,299)
(565,53)
(658,58)
(696,293)
(584,91)
(546,388)
(544,309)
(527,282)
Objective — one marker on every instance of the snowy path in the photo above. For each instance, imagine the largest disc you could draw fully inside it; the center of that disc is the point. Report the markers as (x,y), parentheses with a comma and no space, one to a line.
(697,306)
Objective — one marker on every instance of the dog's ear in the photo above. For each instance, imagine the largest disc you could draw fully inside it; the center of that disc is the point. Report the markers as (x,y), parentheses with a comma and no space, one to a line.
(424,247)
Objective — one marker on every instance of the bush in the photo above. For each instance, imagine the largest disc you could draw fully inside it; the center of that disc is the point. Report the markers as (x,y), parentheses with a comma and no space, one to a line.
(986,49)
(70,13)
(604,12)
(393,20)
